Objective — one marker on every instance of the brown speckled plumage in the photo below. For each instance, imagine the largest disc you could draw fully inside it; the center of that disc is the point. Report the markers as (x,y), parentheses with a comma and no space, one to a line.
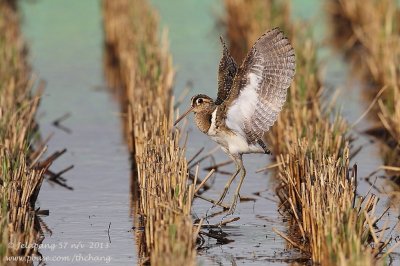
(226,73)
(271,58)
(203,121)
(202,111)
(248,102)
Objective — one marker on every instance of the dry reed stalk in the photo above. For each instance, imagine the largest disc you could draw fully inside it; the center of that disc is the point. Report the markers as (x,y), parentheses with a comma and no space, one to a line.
(372,40)
(145,74)
(21,174)
(311,144)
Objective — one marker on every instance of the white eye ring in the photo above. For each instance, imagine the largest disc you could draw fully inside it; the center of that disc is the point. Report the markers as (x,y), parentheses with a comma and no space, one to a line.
(199,101)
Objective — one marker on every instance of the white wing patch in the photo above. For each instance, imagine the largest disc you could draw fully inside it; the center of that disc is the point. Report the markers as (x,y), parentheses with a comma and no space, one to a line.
(260,87)
(244,106)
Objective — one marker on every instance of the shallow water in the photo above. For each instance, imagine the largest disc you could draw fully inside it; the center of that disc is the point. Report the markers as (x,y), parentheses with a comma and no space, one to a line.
(66,48)
(196,54)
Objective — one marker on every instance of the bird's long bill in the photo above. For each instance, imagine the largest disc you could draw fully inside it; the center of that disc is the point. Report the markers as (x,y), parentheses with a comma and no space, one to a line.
(183,115)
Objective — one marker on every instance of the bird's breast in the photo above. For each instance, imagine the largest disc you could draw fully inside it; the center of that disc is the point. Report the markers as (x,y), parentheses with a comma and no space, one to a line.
(203,121)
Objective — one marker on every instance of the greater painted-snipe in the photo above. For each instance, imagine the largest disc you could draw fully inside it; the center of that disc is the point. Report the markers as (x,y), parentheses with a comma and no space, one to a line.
(248,102)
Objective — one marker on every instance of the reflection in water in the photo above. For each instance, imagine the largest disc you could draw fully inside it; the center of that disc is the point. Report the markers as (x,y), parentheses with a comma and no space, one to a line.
(201,46)
(196,54)
(138,222)
(112,71)
(66,51)
(370,59)
(147,76)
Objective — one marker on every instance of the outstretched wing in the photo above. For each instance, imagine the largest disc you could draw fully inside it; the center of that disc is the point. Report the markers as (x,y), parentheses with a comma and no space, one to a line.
(226,73)
(259,87)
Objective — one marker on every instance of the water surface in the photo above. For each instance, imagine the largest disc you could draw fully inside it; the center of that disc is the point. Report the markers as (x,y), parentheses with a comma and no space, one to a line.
(194,33)
(66,50)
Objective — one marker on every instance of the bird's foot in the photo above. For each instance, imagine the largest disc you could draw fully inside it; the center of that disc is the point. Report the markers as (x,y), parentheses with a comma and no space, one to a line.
(218,202)
(231,210)
(209,210)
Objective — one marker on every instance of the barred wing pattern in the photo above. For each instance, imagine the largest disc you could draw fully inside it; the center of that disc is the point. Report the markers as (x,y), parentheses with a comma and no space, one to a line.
(260,87)
(226,73)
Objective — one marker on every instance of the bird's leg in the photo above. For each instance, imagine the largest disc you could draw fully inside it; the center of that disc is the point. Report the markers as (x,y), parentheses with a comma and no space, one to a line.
(228,184)
(236,195)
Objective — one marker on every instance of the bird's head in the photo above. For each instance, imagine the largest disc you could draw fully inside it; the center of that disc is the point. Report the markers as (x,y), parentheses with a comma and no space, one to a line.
(199,103)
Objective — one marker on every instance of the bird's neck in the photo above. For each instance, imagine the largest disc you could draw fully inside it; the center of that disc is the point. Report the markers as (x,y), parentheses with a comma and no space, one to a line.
(203,119)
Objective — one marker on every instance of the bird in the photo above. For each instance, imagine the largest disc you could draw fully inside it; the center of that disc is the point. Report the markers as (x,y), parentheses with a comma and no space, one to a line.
(249,100)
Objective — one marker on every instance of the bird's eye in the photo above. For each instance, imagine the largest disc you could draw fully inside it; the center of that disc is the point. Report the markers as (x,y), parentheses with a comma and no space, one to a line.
(199,101)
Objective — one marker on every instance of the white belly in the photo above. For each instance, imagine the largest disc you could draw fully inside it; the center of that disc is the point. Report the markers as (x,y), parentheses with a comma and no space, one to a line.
(230,142)
(236,144)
